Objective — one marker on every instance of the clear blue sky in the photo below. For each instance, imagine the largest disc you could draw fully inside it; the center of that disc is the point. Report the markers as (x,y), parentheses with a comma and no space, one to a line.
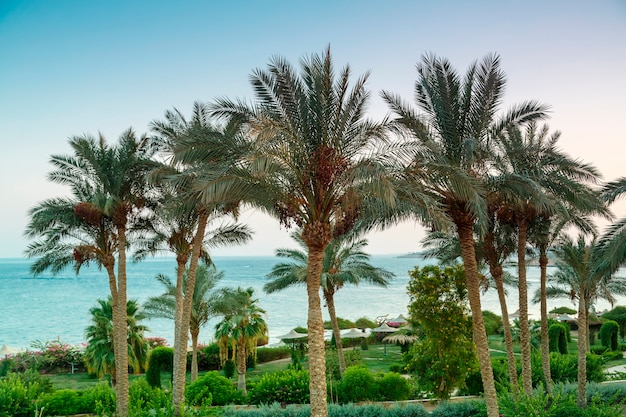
(74,67)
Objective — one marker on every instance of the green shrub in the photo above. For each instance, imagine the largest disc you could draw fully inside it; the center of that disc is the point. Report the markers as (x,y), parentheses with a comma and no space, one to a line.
(558,338)
(493,322)
(357,384)
(397,368)
(460,409)
(210,389)
(264,355)
(99,399)
(143,396)
(599,350)
(229,369)
(17,398)
(290,386)
(161,359)
(613,355)
(608,334)
(208,358)
(352,357)
(63,402)
(394,387)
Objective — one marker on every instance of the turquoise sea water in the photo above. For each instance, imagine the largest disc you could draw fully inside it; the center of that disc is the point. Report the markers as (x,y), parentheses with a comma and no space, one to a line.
(48,307)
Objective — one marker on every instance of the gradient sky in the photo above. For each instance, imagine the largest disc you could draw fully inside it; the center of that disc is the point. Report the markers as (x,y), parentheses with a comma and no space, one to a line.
(74,67)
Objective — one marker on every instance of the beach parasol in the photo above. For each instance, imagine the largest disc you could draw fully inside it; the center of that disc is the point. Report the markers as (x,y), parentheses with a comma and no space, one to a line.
(293,337)
(384,328)
(6,350)
(354,334)
(397,322)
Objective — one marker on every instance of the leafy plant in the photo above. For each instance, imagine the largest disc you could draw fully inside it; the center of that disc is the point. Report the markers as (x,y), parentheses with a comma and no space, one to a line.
(210,389)
(357,384)
(393,387)
(290,387)
(608,334)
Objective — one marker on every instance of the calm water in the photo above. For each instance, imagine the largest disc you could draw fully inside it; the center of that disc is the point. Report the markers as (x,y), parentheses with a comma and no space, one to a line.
(51,307)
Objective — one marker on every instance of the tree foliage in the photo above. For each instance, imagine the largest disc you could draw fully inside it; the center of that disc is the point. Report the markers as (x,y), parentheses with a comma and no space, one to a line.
(445,353)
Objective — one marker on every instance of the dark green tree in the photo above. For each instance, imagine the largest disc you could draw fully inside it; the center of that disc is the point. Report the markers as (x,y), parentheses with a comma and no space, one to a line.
(617,314)
(444,354)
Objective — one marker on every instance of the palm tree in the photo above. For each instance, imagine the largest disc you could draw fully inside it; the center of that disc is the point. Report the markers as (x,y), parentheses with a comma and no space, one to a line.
(164,305)
(613,240)
(185,214)
(537,180)
(344,262)
(241,328)
(99,353)
(109,200)
(579,277)
(313,161)
(459,116)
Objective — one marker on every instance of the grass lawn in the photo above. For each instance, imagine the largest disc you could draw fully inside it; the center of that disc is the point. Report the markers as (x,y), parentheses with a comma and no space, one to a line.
(374,357)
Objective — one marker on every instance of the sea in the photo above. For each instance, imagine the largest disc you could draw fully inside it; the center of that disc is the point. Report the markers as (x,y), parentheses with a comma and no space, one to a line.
(47,307)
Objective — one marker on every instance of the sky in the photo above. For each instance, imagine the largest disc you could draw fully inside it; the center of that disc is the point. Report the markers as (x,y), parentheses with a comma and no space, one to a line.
(81,67)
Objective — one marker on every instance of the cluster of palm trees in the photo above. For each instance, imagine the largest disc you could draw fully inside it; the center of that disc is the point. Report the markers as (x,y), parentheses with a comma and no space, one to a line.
(304,152)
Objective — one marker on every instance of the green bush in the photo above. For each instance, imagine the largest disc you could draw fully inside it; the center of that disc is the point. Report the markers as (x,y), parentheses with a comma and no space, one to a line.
(460,409)
(208,358)
(290,386)
(557,334)
(18,398)
(394,387)
(334,410)
(608,334)
(210,389)
(161,359)
(99,399)
(599,350)
(63,402)
(493,322)
(352,357)
(143,396)
(613,355)
(357,384)
(229,369)
(264,355)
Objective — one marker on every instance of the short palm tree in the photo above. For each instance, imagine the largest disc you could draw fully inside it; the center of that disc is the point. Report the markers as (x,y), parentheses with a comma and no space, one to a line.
(95,224)
(344,263)
(100,353)
(459,116)
(164,305)
(580,278)
(241,327)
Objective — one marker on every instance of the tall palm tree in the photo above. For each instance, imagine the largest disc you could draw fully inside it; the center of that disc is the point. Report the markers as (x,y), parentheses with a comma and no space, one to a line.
(613,240)
(344,262)
(459,116)
(164,305)
(109,200)
(99,353)
(185,214)
(315,162)
(242,326)
(580,277)
(538,180)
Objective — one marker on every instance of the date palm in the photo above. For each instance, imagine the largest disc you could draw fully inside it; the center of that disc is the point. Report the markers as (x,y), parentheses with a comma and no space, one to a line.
(240,329)
(613,240)
(344,262)
(99,353)
(580,277)
(164,305)
(314,162)
(92,226)
(184,215)
(537,181)
(459,115)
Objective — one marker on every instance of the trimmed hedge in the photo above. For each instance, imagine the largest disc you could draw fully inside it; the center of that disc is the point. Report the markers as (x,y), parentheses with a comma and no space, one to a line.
(608,334)
(557,334)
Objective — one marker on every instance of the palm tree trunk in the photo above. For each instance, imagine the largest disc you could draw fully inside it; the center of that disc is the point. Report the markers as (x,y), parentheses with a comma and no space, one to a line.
(545,339)
(194,355)
(506,325)
(582,350)
(182,328)
(241,364)
(330,303)
(120,325)
(527,376)
(495,268)
(466,240)
(315,324)
(178,310)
